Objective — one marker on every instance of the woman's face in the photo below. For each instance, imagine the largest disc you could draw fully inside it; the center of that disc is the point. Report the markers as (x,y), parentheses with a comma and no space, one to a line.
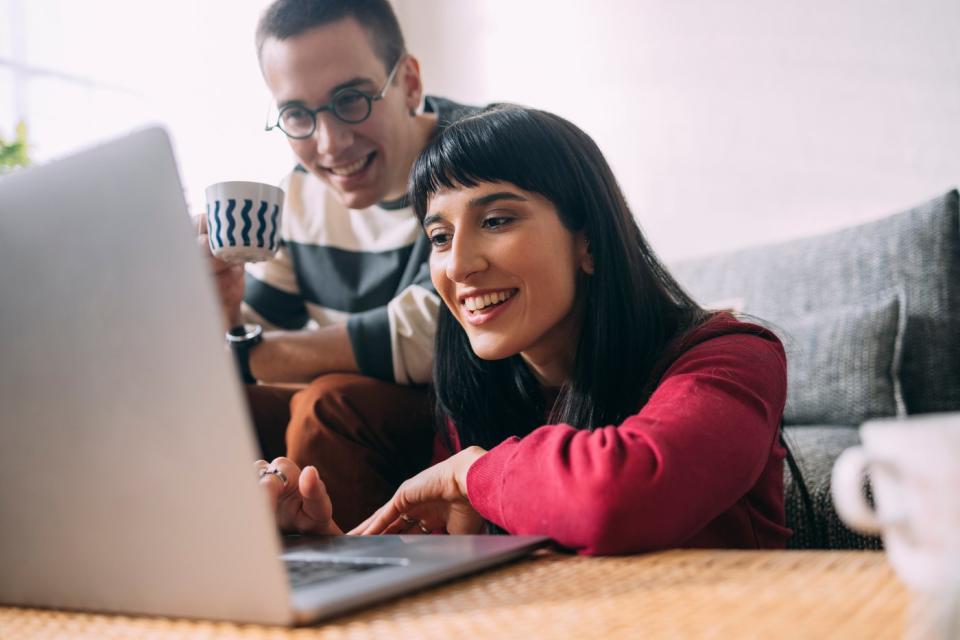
(507,269)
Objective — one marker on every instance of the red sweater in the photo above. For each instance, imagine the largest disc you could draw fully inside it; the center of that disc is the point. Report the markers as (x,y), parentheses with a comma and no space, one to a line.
(700,465)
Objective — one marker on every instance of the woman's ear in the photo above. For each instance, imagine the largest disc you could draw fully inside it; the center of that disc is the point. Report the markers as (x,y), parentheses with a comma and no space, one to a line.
(584,257)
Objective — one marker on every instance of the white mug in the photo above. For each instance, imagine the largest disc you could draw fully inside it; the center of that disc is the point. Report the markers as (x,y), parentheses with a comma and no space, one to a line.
(243,220)
(914,469)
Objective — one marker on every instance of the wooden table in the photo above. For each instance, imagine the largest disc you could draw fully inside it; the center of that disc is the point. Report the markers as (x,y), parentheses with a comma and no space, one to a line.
(676,594)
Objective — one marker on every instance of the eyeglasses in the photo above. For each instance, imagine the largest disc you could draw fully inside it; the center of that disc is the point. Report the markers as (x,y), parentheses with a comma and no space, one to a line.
(348,105)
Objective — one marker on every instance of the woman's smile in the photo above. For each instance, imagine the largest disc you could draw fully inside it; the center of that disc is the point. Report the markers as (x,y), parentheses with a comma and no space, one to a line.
(484,306)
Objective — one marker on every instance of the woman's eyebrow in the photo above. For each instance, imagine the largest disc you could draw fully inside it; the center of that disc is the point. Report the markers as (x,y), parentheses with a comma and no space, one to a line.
(478,202)
(430,219)
(494,197)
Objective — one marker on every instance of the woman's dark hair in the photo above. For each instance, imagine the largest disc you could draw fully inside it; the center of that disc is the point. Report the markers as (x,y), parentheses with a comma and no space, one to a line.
(633,306)
(289,18)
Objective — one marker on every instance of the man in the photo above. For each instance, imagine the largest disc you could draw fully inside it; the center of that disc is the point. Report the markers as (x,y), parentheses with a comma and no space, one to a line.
(348,300)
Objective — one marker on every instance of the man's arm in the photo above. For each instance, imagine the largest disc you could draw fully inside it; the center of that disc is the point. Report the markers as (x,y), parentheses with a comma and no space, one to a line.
(289,352)
(302,355)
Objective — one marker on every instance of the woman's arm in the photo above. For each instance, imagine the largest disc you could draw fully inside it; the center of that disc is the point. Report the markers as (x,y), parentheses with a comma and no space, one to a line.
(693,451)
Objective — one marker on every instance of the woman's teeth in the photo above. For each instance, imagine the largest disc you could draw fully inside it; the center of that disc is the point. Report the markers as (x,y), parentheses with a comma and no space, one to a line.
(477,303)
(349,169)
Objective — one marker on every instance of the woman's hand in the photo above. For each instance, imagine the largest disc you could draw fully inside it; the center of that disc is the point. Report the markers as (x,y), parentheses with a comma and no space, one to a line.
(298,498)
(433,499)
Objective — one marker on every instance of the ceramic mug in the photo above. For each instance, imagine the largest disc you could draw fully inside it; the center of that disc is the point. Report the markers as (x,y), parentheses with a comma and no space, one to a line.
(914,469)
(243,220)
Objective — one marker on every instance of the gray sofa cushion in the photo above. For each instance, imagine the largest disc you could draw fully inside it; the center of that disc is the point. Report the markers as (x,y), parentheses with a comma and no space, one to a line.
(843,365)
(816,448)
(917,250)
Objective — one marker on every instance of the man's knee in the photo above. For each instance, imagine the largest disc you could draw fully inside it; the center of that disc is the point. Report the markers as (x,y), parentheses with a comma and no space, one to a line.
(335,386)
(359,407)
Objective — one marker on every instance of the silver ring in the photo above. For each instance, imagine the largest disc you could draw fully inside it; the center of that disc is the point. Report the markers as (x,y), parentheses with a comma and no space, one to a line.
(273,471)
(423,526)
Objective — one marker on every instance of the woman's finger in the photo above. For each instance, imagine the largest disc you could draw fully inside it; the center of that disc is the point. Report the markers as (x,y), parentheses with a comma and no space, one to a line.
(272,482)
(389,514)
(282,478)
(316,510)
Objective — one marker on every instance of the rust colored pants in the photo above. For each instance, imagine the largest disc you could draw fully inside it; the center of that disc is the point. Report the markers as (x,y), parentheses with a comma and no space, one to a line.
(363,435)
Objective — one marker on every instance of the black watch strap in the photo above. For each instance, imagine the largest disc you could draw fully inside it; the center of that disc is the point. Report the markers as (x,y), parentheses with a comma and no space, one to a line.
(241,339)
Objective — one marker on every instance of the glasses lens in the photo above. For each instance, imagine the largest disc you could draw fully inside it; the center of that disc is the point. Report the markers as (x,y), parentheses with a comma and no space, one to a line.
(296,121)
(351,105)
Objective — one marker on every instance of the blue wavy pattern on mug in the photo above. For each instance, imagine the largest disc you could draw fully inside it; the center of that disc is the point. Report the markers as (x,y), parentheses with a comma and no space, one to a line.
(219,238)
(231,221)
(262,219)
(247,222)
(273,232)
(216,218)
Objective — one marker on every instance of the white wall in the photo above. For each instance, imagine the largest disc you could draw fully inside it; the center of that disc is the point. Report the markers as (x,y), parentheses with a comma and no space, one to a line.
(732,122)
(79,72)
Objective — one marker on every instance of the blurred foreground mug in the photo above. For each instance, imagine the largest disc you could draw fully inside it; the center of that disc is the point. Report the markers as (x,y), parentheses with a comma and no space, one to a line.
(243,220)
(914,468)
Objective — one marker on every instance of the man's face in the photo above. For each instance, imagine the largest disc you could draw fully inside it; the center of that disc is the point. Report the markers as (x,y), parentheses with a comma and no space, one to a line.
(361,163)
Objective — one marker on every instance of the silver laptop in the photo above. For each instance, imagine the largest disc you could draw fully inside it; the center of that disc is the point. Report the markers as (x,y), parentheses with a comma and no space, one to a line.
(126,450)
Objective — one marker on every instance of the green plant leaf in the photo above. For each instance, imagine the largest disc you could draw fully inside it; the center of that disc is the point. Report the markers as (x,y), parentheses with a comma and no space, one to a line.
(15,153)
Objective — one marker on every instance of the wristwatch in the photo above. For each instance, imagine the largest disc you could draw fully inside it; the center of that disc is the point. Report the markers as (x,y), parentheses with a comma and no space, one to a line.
(241,339)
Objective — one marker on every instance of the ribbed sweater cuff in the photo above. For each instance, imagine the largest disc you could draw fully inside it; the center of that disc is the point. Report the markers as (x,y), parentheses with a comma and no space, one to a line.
(486,478)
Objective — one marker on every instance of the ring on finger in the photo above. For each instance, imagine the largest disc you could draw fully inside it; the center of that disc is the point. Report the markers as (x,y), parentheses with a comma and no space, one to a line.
(271,470)
(423,526)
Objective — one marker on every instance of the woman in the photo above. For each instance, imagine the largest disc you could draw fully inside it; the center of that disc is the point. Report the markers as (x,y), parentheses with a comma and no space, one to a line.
(585,396)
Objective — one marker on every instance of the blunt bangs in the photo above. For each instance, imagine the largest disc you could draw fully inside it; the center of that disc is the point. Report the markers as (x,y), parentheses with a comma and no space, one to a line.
(504,143)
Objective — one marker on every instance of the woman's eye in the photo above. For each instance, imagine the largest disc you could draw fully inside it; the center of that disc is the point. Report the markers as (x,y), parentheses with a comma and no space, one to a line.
(439,239)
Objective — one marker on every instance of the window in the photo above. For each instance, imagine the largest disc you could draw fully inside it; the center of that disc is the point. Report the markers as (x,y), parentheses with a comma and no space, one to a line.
(81,72)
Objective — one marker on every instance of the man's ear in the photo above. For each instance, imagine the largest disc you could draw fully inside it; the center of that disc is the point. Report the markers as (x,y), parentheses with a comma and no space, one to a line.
(584,257)
(410,82)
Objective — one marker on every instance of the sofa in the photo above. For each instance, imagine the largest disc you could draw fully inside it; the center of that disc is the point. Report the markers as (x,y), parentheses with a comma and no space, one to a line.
(870,319)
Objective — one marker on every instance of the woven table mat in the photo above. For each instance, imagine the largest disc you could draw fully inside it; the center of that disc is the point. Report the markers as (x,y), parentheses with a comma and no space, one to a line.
(685,594)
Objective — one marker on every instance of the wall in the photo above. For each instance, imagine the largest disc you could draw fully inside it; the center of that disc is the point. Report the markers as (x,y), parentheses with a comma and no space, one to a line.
(80,72)
(728,123)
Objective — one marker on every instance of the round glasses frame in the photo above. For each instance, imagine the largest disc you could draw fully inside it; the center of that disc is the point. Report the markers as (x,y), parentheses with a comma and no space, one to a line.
(342,100)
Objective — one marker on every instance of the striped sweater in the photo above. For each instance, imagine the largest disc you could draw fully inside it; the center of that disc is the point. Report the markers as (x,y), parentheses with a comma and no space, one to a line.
(366,267)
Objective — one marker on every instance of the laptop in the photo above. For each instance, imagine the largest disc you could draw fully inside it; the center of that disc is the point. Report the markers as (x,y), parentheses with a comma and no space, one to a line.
(126,449)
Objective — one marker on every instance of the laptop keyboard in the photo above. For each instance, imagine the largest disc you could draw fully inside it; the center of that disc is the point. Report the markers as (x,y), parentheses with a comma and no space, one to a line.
(310,572)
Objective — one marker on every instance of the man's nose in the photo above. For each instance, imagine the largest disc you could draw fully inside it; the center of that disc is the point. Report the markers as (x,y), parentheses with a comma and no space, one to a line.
(331,135)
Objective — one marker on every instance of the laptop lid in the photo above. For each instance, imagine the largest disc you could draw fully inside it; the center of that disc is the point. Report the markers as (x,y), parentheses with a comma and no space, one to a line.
(118,400)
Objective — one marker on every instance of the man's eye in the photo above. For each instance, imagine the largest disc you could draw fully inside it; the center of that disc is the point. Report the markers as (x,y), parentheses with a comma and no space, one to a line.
(349,99)
(295,115)
(495,222)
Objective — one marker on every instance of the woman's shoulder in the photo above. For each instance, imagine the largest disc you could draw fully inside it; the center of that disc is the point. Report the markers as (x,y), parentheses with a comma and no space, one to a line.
(723,323)
(722,331)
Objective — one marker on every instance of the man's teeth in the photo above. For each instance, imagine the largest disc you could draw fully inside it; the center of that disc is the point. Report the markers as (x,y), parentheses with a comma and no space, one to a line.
(476,303)
(347,169)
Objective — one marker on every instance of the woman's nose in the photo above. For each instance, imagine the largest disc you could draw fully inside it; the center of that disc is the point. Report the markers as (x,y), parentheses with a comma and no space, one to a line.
(464,259)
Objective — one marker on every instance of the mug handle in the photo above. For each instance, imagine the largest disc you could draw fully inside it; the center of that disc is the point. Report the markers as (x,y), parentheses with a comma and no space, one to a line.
(845,486)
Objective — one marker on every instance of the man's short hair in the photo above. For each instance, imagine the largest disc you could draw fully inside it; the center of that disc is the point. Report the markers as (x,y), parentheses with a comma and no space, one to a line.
(288,18)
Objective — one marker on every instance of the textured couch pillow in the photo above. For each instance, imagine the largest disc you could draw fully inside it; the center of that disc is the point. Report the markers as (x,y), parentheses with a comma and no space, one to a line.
(918,250)
(843,365)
